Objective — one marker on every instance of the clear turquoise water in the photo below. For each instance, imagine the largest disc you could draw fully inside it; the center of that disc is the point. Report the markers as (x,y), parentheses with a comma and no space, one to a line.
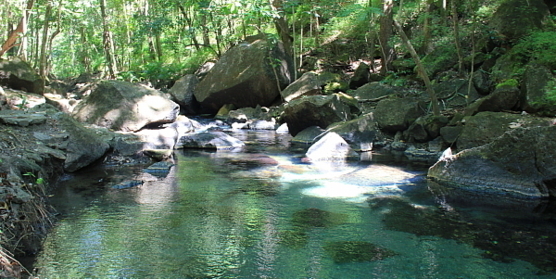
(236,215)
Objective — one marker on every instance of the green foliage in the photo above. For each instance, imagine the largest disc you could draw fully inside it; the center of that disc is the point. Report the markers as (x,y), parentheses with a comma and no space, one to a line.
(539,47)
(508,82)
(547,105)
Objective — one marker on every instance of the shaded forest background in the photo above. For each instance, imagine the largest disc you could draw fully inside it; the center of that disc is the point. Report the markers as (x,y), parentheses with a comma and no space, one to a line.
(161,40)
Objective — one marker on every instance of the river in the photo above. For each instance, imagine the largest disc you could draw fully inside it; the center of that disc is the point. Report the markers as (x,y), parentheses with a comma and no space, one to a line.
(265,213)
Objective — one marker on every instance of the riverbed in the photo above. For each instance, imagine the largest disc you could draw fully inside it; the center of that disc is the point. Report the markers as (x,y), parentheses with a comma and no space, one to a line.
(264,212)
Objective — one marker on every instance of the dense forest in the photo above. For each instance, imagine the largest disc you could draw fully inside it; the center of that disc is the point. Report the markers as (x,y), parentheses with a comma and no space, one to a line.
(161,40)
(421,76)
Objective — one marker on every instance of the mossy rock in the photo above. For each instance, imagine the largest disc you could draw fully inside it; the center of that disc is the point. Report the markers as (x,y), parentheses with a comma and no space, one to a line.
(517,18)
(441,59)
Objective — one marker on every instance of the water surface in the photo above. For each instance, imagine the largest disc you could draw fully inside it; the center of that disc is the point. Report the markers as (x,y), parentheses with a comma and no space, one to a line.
(263,213)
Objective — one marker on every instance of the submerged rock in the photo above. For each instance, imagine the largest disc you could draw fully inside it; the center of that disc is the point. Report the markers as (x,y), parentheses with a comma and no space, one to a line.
(356,251)
(314,217)
(159,169)
(127,184)
(502,241)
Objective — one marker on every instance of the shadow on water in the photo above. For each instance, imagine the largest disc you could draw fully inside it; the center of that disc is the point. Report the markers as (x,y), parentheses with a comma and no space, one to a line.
(504,229)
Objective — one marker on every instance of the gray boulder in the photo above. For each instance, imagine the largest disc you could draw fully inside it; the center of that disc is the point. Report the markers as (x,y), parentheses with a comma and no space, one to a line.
(373,90)
(315,111)
(504,97)
(361,133)
(393,115)
(307,84)
(309,135)
(82,146)
(520,163)
(486,126)
(537,82)
(246,76)
(19,75)
(482,82)
(182,93)
(123,106)
(426,127)
(209,140)
(516,18)
(330,147)
(361,76)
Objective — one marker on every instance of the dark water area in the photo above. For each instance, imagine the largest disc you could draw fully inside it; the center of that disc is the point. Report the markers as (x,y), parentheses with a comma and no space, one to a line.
(263,212)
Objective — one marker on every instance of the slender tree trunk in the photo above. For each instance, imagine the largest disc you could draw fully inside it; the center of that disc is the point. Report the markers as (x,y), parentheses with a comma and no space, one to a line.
(427,36)
(108,41)
(192,33)
(385,33)
(44,41)
(204,27)
(456,35)
(420,69)
(85,57)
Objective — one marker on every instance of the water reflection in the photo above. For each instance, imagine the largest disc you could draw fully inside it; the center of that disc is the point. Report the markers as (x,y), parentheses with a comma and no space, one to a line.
(266,214)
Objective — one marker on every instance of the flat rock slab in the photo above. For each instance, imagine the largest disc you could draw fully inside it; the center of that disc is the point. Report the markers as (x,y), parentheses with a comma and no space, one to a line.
(21,118)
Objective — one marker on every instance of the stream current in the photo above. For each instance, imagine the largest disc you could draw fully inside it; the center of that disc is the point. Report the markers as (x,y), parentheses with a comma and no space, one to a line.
(263,212)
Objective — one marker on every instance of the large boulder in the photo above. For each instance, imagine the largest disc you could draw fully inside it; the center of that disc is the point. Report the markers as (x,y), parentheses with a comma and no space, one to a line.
(124,106)
(182,93)
(83,146)
(330,147)
(537,88)
(361,76)
(246,76)
(18,74)
(393,115)
(426,127)
(520,163)
(505,97)
(213,140)
(372,91)
(307,84)
(487,126)
(315,110)
(361,133)
(517,18)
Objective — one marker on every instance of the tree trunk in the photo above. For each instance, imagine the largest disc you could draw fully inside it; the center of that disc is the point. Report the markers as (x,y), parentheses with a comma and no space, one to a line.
(385,33)
(44,41)
(108,41)
(189,21)
(420,69)
(281,25)
(427,36)
(20,30)
(85,57)
(456,36)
